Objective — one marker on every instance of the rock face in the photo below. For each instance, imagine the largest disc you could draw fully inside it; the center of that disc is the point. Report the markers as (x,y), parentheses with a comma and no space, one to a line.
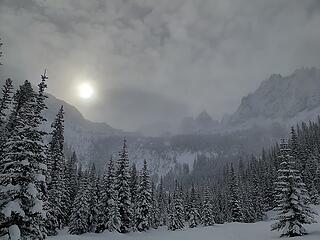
(281,98)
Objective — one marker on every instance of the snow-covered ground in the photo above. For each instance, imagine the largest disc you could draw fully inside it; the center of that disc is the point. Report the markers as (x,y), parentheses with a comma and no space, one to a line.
(231,231)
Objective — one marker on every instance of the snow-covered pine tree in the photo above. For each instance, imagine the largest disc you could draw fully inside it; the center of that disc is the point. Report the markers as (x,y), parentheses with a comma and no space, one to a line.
(103,208)
(93,199)
(56,145)
(40,147)
(234,201)
(79,219)
(217,208)
(257,196)
(23,166)
(270,179)
(113,220)
(309,174)
(293,201)
(207,212)
(56,215)
(247,202)
(154,212)
(295,149)
(194,217)
(134,181)
(186,205)
(144,201)
(123,190)
(162,203)
(5,101)
(71,182)
(176,215)
(171,214)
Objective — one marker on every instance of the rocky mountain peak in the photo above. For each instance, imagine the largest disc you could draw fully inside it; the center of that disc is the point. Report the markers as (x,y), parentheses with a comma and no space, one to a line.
(281,97)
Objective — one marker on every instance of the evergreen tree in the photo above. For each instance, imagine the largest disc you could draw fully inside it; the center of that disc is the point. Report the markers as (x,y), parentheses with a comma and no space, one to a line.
(103,207)
(113,215)
(79,219)
(123,190)
(176,215)
(134,194)
(5,101)
(257,197)
(235,207)
(23,167)
(56,186)
(144,201)
(114,219)
(292,196)
(310,172)
(163,214)
(207,213)
(154,212)
(71,182)
(93,199)
(194,217)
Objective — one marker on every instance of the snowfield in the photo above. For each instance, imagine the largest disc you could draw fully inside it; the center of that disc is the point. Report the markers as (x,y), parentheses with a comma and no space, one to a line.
(230,231)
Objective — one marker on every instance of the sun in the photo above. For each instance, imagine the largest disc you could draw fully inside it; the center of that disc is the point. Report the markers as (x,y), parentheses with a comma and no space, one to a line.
(85,90)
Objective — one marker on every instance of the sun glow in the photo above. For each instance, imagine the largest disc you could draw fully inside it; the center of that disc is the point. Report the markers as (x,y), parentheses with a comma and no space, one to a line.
(85,90)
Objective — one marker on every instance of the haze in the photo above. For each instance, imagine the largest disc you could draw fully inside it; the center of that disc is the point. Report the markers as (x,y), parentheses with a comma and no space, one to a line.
(157,61)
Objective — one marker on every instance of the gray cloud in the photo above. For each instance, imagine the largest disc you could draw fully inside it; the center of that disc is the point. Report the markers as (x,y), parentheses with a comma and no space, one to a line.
(190,54)
(136,105)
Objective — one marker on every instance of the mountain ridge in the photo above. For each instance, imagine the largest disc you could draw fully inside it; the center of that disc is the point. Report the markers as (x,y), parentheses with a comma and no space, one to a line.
(280,99)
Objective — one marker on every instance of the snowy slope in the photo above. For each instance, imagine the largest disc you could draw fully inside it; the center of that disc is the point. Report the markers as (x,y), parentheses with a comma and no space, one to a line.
(231,231)
(79,132)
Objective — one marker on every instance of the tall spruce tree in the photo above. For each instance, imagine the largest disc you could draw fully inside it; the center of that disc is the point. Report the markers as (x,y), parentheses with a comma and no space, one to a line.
(123,190)
(79,219)
(93,199)
(134,180)
(113,222)
(5,101)
(56,216)
(194,216)
(22,168)
(207,213)
(154,216)
(103,207)
(235,203)
(176,214)
(71,182)
(144,201)
(162,204)
(293,201)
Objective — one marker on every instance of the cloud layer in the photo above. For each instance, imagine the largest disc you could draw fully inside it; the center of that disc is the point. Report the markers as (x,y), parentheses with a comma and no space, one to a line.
(157,60)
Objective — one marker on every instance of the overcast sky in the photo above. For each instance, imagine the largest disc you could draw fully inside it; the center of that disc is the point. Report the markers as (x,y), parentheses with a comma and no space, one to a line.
(157,60)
